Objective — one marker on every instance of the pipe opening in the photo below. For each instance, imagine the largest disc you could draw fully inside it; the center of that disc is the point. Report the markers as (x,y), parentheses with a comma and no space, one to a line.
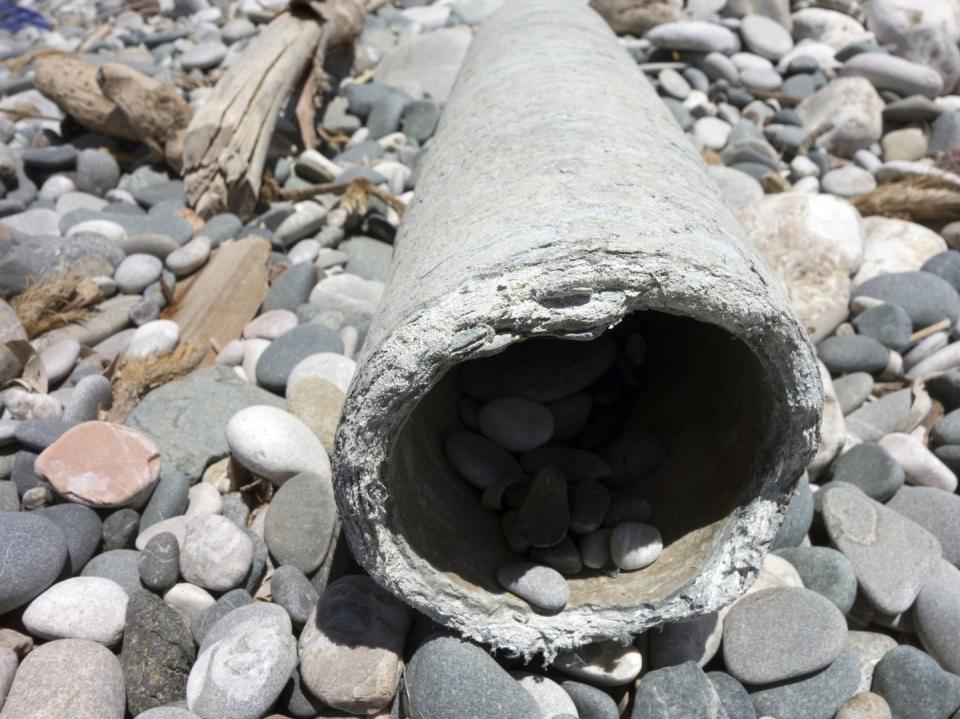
(699,391)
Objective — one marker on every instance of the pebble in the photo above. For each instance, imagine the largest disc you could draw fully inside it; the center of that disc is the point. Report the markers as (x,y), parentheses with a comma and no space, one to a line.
(117,565)
(819,696)
(191,257)
(732,695)
(590,702)
(914,685)
(215,554)
(81,527)
(888,324)
(778,634)
(856,353)
(694,36)
(936,615)
(865,706)
(825,571)
(845,115)
(301,521)
(601,664)
(274,444)
(544,588)
(553,701)
(91,394)
(676,693)
(478,460)
(330,366)
(888,72)
(871,468)
(271,324)
(157,654)
(97,172)
(926,298)
(169,499)
(921,467)
(695,640)
(188,600)
(203,498)
(291,288)
(891,555)
(90,608)
(798,517)
(934,510)
(544,517)
(120,529)
(36,552)
(278,360)
(291,589)
(634,545)
(136,272)
(160,562)
(448,678)
(351,649)
(870,648)
(203,56)
(225,604)
(59,359)
(153,339)
(95,689)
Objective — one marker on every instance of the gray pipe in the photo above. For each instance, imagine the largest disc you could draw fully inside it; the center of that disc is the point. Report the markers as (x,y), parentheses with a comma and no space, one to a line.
(558,197)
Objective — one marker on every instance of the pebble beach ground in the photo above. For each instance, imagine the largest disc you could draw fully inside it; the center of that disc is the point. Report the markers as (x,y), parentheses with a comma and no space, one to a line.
(169,540)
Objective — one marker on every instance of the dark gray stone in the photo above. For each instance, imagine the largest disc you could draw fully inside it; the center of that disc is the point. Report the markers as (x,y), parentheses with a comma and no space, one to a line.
(169,191)
(936,511)
(679,692)
(543,588)
(284,353)
(945,265)
(82,529)
(186,417)
(563,556)
(235,508)
(591,703)
(166,223)
(300,522)
(384,116)
(97,172)
(856,353)
(367,257)
(589,502)
(798,517)
(120,529)
(871,468)
(733,695)
(50,158)
(291,288)
(889,325)
(826,572)
(157,653)
(819,696)
(226,603)
(34,552)
(299,703)
(38,434)
(258,563)
(169,498)
(160,562)
(949,454)
(119,565)
(291,589)
(23,475)
(947,430)
(221,227)
(945,388)
(914,685)
(448,678)
(420,119)
(926,297)
(914,107)
(544,518)
(9,499)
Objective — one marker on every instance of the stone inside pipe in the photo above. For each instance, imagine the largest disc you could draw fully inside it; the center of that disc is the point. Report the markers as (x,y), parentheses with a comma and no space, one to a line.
(560,199)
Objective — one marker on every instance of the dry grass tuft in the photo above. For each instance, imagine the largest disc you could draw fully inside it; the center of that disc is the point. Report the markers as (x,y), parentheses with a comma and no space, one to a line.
(134,378)
(927,200)
(53,302)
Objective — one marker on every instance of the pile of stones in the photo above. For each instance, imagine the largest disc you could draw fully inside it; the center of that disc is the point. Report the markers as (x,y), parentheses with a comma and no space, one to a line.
(186,561)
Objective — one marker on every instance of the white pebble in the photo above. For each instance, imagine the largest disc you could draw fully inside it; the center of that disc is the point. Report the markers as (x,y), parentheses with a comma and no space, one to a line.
(154,339)
(634,545)
(274,444)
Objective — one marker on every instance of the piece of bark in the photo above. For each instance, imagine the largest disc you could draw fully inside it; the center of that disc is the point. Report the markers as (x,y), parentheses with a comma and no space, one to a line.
(227,141)
(225,295)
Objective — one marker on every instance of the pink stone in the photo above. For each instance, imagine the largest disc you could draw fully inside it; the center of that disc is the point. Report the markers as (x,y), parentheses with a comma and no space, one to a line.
(101,464)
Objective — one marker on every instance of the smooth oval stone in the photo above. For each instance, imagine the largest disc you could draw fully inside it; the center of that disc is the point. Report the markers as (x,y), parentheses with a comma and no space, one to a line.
(947,430)
(188,600)
(544,370)
(865,706)
(695,640)
(274,444)
(201,625)
(693,35)
(278,360)
(925,297)
(871,468)
(778,634)
(35,551)
(448,678)
(153,339)
(191,257)
(595,548)
(589,502)
(590,702)
(160,562)
(59,359)
(81,527)
(136,272)
(478,460)
(157,654)
(819,696)
(634,545)
(544,517)
(857,353)
(914,685)
(67,678)
(300,522)
(515,423)
(601,664)
(765,37)
(936,616)
(890,325)
(675,693)
(291,589)
(888,72)
(920,465)
(732,695)
(798,517)
(291,288)
(203,498)
(874,420)
(891,555)
(97,171)
(826,572)
(936,511)
(203,56)
(543,588)
(330,366)
(158,245)
(632,455)
(120,529)
(848,181)
(578,465)
(563,556)
(90,608)
(271,324)
(117,565)
(351,649)
(216,554)
(552,700)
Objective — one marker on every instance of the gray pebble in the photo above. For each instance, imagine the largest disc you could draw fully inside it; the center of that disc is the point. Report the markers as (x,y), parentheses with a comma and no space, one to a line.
(293,591)
(914,685)
(857,353)
(120,529)
(818,696)
(926,297)
(890,325)
(544,588)
(82,529)
(35,552)
(160,562)
(826,572)
(118,565)
(677,692)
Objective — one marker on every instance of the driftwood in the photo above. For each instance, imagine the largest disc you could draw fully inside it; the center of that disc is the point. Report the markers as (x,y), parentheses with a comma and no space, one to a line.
(227,141)
(116,100)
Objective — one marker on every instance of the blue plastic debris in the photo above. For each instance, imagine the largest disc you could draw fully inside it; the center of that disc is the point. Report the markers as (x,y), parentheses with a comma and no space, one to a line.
(14,18)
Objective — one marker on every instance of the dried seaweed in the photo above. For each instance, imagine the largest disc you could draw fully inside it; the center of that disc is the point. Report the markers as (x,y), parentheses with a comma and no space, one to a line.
(927,200)
(55,301)
(134,378)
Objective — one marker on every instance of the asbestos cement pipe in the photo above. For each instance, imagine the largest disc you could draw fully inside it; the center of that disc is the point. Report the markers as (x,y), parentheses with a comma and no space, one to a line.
(558,199)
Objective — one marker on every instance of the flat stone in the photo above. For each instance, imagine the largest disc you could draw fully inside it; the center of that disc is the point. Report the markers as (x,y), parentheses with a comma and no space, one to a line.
(871,468)
(155,338)
(888,72)
(870,648)
(101,464)
(635,545)
(825,571)
(549,696)
(94,690)
(889,325)
(36,550)
(274,444)
(117,565)
(590,702)
(936,511)
(290,589)
(853,353)
(516,424)
(291,288)
(914,685)
(306,221)
(927,298)
(81,527)
(601,664)
(351,649)
(819,696)
(920,465)
(543,588)
(544,517)
(188,259)
(676,693)
(215,554)
(448,677)
(695,640)
(936,615)
(157,654)
(347,292)
(478,460)
(270,325)
(90,608)
(368,258)
(186,417)
(59,359)
(778,634)
(737,188)
(301,521)
(278,360)
(694,36)
(160,562)
(891,555)
(875,420)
